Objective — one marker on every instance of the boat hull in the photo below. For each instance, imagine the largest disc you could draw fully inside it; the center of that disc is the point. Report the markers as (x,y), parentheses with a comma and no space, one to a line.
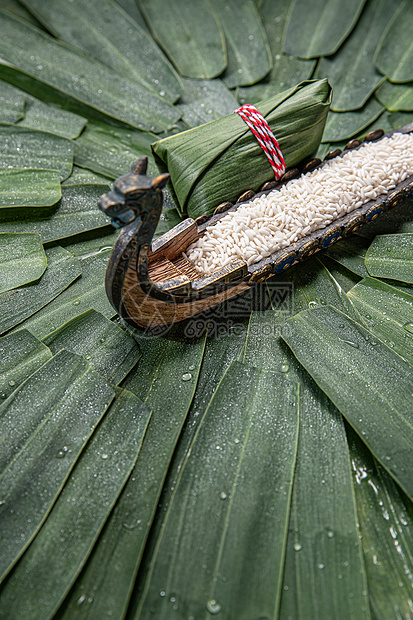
(156,286)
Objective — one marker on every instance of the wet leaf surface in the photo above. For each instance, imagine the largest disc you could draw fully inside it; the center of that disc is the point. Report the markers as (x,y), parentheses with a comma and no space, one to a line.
(25,192)
(113,38)
(196,44)
(80,78)
(394,54)
(386,522)
(366,380)
(76,212)
(77,518)
(164,364)
(22,259)
(85,292)
(322,543)
(314,30)
(12,103)
(27,148)
(54,423)
(396,97)
(351,253)
(352,89)
(43,117)
(388,313)
(345,125)
(110,351)
(21,354)
(244,476)
(205,100)
(248,52)
(391,256)
(17,305)
(111,150)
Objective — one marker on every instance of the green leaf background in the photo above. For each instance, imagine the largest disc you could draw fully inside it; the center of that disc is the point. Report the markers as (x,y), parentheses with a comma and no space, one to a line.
(240,465)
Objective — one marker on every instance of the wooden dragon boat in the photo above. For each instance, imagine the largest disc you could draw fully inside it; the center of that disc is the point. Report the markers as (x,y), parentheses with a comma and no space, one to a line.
(152,285)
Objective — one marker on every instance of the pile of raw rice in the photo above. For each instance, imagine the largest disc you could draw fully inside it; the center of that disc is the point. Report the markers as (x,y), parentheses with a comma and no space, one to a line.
(272,222)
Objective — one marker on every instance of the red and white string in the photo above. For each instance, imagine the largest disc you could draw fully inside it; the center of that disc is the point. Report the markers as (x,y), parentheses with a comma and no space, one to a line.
(266,139)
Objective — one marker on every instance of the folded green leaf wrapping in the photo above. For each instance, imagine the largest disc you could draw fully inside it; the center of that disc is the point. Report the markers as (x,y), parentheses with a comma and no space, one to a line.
(218,161)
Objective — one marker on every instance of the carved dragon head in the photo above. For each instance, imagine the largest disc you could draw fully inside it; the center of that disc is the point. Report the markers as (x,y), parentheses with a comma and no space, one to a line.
(133,195)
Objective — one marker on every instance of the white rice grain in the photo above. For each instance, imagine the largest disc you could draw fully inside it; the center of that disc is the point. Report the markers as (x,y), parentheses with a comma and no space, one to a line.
(270,223)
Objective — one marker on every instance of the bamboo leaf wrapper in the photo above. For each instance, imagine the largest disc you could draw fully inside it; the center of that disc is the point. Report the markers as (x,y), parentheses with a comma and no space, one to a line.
(218,161)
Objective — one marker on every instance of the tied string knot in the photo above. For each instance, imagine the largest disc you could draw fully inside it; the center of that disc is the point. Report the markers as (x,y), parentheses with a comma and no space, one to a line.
(265,137)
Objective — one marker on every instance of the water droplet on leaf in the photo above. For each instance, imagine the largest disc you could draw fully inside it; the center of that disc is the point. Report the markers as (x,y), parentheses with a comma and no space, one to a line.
(350,342)
(213,607)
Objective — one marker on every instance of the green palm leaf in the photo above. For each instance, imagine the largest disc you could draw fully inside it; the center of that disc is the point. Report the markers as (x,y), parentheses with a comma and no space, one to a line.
(341,126)
(351,254)
(52,433)
(113,38)
(388,313)
(21,355)
(75,213)
(286,70)
(353,88)
(62,270)
(54,64)
(390,256)
(85,292)
(103,468)
(25,148)
(194,54)
(105,537)
(343,348)
(84,176)
(111,150)
(131,8)
(18,10)
(322,541)
(44,117)
(28,192)
(27,251)
(111,352)
(314,28)
(249,57)
(205,100)
(396,97)
(386,527)
(124,536)
(394,54)
(11,104)
(201,583)
(398,119)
